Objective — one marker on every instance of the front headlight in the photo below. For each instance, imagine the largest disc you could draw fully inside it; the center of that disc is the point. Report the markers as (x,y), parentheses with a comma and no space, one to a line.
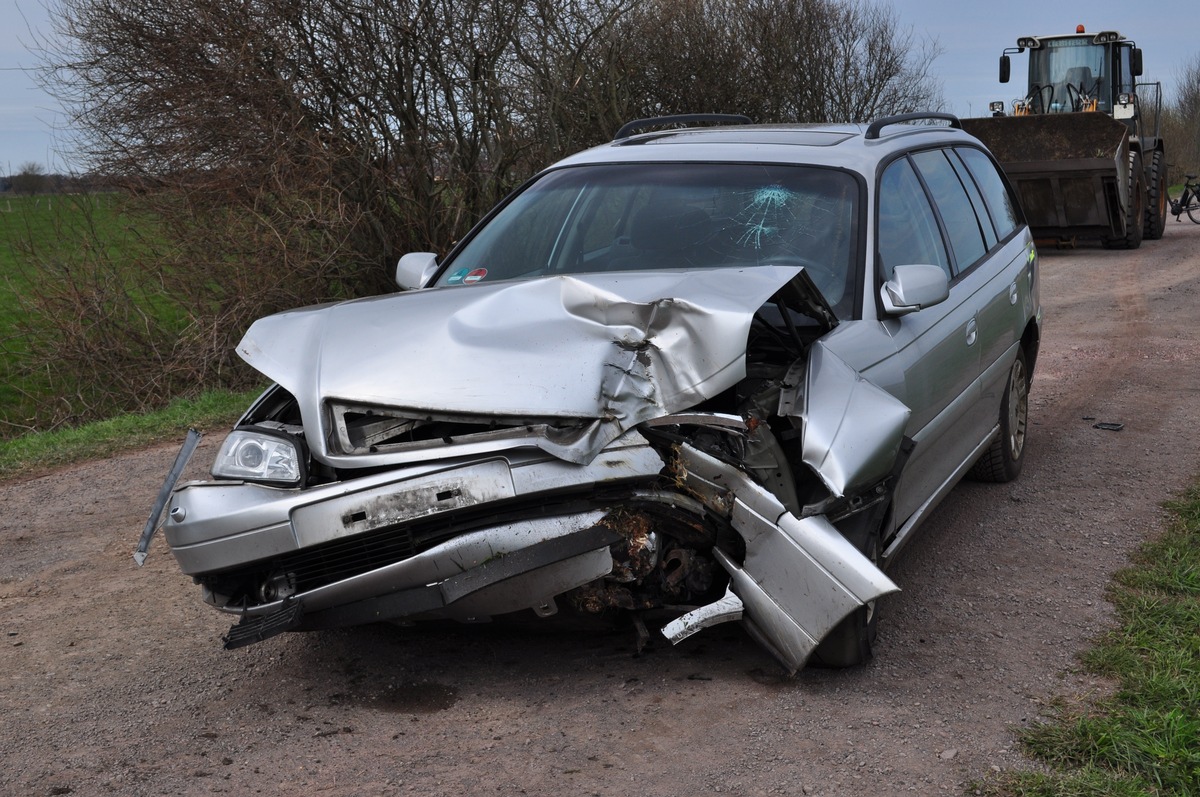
(260,455)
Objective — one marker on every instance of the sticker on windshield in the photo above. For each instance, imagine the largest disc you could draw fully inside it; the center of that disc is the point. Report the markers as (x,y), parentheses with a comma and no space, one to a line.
(475,276)
(456,277)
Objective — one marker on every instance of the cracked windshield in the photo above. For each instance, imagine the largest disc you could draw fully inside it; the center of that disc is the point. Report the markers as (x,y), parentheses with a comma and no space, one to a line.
(672,216)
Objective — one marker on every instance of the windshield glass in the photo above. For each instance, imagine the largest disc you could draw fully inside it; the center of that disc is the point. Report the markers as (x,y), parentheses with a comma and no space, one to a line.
(639,217)
(1065,73)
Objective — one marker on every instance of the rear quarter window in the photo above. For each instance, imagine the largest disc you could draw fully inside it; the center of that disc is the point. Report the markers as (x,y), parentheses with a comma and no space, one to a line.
(959,215)
(995,192)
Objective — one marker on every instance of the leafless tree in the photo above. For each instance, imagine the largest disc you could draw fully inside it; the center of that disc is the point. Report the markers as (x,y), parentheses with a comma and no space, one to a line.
(31,178)
(413,113)
(420,114)
(1181,122)
(781,60)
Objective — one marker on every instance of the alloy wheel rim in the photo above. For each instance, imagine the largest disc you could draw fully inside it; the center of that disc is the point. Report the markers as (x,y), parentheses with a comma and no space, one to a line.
(1018,410)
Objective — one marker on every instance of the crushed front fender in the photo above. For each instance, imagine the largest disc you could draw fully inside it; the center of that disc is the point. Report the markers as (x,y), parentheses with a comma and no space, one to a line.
(800,576)
(853,429)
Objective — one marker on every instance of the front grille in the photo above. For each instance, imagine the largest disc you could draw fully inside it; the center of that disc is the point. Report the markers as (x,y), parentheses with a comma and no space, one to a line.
(351,556)
(362,429)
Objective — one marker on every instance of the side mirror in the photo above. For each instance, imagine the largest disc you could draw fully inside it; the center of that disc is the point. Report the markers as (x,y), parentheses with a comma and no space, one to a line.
(415,270)
(914,288)
(1135,62)
(1005,68)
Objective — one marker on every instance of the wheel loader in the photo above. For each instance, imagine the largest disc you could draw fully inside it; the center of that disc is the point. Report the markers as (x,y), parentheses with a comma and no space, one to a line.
(1082,146)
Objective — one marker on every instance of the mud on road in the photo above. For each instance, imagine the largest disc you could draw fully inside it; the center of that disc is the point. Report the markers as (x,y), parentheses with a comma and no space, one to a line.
(113,680)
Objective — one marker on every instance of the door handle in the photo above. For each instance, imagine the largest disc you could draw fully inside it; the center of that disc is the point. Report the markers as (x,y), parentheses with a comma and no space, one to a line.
(972,332)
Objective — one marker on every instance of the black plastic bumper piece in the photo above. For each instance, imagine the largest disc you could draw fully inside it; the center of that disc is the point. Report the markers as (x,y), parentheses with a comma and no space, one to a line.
(256,628)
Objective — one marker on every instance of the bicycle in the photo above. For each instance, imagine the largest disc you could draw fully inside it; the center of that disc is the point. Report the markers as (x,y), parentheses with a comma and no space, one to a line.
(1189,201)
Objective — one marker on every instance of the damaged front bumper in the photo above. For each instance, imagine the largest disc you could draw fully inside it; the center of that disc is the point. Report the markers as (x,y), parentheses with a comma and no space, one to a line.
(644,525)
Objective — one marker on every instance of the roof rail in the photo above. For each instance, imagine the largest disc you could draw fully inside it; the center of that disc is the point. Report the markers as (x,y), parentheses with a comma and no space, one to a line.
(874,128)
(638,125)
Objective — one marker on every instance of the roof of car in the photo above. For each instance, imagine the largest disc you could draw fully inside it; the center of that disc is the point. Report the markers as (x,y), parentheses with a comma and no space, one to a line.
(854,146)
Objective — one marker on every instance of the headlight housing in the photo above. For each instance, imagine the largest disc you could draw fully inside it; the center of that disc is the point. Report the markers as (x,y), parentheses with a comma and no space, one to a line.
(252,453)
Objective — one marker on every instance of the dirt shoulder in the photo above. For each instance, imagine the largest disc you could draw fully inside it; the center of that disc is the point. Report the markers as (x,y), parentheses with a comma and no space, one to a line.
(112,678)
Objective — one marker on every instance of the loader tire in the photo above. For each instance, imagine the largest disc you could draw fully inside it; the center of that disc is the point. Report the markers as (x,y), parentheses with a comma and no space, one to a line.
(1136,212)
(1156,198)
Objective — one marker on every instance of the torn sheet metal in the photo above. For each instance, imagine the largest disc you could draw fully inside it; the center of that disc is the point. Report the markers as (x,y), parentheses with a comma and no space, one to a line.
(800,577)
(853,429)
(611,350)
(727,609)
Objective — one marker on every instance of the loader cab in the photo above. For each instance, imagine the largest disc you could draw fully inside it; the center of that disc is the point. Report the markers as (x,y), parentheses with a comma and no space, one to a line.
(1076,73)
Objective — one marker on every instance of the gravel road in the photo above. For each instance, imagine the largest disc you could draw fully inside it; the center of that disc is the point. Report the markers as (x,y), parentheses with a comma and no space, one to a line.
(112,678)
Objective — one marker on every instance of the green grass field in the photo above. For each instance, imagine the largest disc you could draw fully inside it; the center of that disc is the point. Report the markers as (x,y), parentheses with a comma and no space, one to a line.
(35,231)
(28,224)
(24,222)
(213,411)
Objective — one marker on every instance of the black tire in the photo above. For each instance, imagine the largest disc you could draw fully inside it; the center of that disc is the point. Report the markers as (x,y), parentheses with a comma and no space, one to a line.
(1156,198)
(1136,212)
(1003,460)
(852,641)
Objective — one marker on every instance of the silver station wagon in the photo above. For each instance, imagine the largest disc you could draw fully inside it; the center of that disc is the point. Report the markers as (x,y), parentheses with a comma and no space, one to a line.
(703,373)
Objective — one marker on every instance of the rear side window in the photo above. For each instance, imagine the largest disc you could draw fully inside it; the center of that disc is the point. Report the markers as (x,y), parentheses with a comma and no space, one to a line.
(968,182)
(995,193)
(908,230)
(959,215)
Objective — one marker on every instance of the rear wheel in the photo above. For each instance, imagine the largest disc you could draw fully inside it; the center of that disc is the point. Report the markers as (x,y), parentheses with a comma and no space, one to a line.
(1156,196)
(1135,212)
(1003,460)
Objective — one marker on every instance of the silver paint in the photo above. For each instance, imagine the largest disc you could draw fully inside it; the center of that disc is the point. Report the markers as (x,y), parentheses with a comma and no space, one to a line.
(606,350)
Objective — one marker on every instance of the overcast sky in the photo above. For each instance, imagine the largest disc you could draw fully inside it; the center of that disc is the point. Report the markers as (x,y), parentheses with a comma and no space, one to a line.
(971,34)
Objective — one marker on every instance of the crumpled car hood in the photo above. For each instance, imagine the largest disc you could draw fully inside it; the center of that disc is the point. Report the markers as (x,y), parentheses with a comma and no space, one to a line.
(617,349)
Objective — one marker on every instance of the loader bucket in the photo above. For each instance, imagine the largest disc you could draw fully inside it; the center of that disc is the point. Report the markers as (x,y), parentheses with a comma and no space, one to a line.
(1070,170)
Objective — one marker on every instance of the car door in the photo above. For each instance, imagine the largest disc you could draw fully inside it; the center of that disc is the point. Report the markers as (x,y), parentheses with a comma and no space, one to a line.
(1006,294)
(935,364)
